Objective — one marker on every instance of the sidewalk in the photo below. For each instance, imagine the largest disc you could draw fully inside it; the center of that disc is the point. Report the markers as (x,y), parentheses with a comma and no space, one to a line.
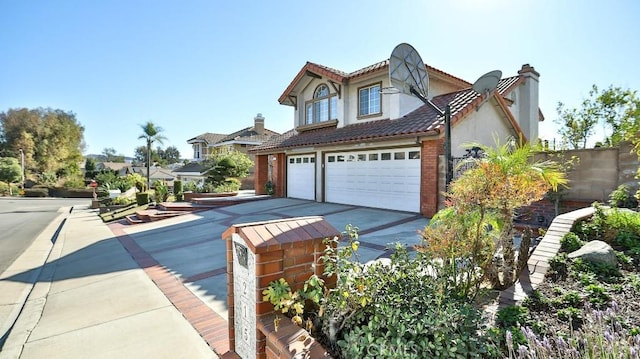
(91,299)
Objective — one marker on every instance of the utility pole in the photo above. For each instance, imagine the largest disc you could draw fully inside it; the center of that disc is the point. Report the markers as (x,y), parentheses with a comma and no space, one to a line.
(22,169)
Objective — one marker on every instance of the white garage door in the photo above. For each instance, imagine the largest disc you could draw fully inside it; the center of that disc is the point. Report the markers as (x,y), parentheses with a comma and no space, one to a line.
(301,176)
(386,178)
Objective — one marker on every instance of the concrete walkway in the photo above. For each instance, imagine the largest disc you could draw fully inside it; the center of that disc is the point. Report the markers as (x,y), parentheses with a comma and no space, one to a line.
(153,290)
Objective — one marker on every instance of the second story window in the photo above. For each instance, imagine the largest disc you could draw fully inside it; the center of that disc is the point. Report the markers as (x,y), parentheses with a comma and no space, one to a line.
(369,100)
(323,107)
(196,151)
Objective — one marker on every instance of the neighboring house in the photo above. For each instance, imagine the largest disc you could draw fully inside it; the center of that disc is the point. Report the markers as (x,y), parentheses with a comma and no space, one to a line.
(354,143)
(210,143)
(155,174)
(242,140)
(192,172)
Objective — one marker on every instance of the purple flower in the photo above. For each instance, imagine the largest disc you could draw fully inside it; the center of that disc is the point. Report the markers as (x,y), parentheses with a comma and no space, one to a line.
(608,336)
(523,352)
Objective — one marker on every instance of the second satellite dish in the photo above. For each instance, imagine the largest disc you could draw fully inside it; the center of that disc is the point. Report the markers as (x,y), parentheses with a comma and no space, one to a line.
(487,82)
(407,71)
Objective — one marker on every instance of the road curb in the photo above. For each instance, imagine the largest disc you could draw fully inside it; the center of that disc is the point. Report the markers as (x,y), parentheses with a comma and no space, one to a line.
(43,244)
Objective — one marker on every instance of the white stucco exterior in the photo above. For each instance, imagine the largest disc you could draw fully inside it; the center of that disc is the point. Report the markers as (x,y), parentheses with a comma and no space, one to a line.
(485,126)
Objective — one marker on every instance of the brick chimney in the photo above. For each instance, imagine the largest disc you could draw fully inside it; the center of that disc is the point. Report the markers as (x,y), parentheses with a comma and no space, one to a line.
(528,115)
(258,125)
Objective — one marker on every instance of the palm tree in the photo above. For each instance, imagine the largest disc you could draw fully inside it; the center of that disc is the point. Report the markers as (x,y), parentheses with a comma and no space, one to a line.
(151,133)
(507,178)
(519,180)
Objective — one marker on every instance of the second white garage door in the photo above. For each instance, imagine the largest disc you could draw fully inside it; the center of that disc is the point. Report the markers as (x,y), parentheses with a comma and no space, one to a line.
(386,178)
(301,176)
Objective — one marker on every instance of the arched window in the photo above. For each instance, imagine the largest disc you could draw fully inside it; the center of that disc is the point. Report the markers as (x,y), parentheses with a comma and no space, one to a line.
(323,107)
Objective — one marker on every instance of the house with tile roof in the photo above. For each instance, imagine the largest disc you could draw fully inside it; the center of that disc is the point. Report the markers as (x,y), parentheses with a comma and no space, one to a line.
(208,143)
(356,141)
(242,140)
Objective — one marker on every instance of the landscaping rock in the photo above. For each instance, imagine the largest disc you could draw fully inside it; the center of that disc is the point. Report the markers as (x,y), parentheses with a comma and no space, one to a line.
(596,252)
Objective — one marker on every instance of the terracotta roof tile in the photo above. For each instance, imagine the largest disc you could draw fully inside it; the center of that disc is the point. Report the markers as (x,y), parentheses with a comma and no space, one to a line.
(248,134)
(423,121)
(207,137)
(506,85)
(341,76)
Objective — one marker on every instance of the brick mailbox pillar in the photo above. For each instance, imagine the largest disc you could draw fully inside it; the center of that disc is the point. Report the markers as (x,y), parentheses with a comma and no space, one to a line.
(262,252)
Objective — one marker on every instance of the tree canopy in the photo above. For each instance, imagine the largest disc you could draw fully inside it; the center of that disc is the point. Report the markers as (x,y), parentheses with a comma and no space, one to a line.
(10,170)
(159,156)
(52,140)
(111,156)
(616,109)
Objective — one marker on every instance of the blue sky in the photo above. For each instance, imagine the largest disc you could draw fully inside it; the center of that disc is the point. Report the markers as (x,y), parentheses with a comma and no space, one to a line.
(210,66)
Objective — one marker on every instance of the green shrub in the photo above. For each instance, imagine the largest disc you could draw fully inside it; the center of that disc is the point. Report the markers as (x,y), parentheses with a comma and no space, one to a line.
(74,182)
(570,314)
(36,192)
(177,186)
(269,187)
(623,197)
(413,315)
(512,316)
(570,242)
(597,295)
(536,301)
(571,299)
(161,191)
(142,198)
(122,200)
(192,187)
(7,189)
(229,185)
(559,265)
(604,272)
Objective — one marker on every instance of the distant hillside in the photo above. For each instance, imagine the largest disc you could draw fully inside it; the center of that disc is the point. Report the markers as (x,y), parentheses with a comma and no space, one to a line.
(102,158)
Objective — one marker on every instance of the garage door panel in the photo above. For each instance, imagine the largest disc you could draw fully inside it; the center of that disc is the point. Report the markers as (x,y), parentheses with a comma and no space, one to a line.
(301,176)
(380,178)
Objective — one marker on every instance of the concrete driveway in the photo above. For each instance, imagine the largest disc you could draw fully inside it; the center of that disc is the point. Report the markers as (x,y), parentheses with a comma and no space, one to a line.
(153,289)
(192,248)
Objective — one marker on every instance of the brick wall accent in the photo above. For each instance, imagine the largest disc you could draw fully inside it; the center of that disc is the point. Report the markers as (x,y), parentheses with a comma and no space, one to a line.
(280,174)
(285,248)
(429,153)
(541,213)
(261,173)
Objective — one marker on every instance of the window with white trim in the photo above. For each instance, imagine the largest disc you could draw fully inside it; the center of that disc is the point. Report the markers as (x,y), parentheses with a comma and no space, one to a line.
(323,107)
(369,99)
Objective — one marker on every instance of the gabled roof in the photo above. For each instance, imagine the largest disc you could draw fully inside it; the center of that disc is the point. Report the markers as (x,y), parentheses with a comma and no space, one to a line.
(424,121)
(154,172)
(192,167)
(315,70)
(248,134)
(207,137)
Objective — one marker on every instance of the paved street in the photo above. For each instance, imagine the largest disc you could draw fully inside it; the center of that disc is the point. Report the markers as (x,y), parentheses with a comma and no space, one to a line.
(22,219)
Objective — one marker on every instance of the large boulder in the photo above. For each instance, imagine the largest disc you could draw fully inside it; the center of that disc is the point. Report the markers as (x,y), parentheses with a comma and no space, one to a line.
(598,252)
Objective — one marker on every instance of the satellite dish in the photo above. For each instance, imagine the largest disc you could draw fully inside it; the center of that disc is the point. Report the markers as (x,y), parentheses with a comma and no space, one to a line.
(407,71)
(487,82)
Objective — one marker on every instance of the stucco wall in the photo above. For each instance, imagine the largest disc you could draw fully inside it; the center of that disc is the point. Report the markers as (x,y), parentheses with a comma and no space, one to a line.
(599,171)
(482,126)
